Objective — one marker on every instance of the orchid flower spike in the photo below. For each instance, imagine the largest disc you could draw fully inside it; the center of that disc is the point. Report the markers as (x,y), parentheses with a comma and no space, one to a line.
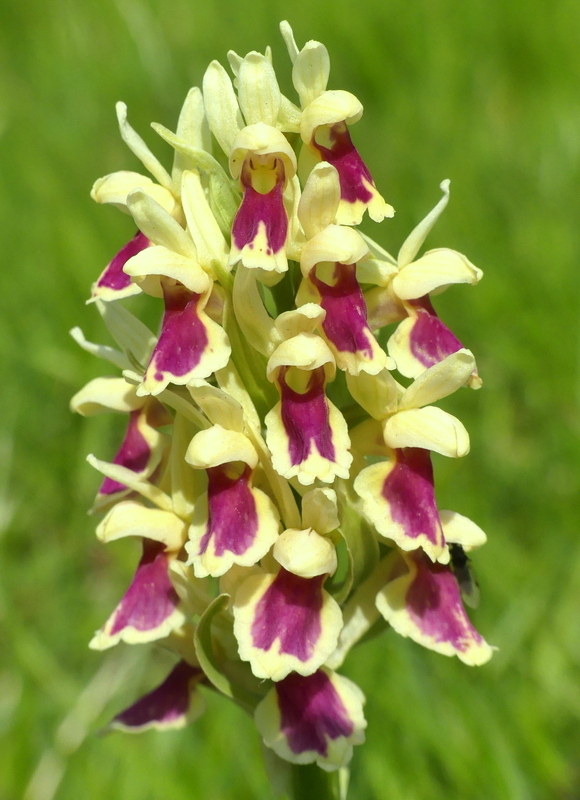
(276,467)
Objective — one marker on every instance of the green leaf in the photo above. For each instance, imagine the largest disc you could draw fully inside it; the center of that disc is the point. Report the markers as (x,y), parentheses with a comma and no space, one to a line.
(359,535)
(340,584)
(215,668)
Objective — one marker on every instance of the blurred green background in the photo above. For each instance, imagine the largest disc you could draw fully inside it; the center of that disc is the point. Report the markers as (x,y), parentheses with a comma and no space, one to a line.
(482,92)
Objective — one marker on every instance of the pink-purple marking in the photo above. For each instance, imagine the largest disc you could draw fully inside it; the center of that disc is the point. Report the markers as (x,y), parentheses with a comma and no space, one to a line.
(289,611)
(134,454)
(233,519)
(151,598)
(305,418)
(409,490)
(434,603)
(430,340)
(352,171)
(256,208)
(345,324)
(165,704)
(113,276)
(311,710)
(183,338)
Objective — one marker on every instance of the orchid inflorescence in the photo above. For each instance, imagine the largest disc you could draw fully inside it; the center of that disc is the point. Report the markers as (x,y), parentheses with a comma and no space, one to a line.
(277,474)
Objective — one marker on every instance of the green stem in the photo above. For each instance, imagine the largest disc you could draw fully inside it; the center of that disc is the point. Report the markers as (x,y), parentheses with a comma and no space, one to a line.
(250,364)
(309,782)
(304,782)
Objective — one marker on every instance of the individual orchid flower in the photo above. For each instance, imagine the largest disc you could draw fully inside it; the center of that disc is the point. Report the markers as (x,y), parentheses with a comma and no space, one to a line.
(324,130)
(169,706)
(113,283)
(307,435)
(326,117)
(286,621)
(260,157)
(329,266)
(422,599)
(190,345)
(399,494)
(143,445)
(234,523)
(150,608)
(314,718)
(264,162)
(421,339)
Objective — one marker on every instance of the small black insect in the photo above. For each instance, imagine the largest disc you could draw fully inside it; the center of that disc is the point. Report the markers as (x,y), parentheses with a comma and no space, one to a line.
(461,566)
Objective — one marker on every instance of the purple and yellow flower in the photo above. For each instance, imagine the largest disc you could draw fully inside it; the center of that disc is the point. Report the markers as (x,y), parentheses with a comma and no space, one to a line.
(234,523)
(190,345)
(150,608)
(325,120)
(285,621)
(264,162)
(113,189)
(306,433)
(143,445)
(422,340)
(422,599)
(315,718)
(329,265)
(169,706)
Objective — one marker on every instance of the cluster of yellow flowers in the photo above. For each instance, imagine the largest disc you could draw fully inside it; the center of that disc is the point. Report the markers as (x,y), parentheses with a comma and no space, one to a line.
(277,473)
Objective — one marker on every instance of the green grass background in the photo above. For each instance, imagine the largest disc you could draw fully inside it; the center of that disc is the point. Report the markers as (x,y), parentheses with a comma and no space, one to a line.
(482,92)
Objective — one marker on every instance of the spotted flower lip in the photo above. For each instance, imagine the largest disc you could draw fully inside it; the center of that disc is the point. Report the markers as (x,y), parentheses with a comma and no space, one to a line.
(425,604)
(139,452)
(233,523)
(150,608)
(398,495)
(317,718)
(286,621)
(190,345)
(422,340)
